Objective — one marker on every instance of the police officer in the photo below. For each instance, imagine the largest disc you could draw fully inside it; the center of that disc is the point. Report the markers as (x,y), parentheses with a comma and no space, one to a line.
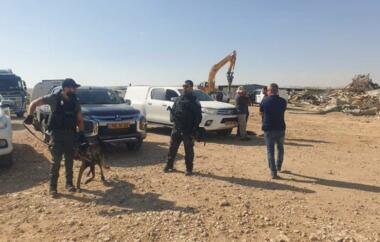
(64,121)
(186,115)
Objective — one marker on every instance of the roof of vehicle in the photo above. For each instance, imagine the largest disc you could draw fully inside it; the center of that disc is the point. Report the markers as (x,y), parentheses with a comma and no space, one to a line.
(94,88)
(167,87)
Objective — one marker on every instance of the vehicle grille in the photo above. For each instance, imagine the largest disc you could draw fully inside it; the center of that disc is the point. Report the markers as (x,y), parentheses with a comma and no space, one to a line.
(114,117)
(229,120)
(16,99)
(227,111)
(106,132)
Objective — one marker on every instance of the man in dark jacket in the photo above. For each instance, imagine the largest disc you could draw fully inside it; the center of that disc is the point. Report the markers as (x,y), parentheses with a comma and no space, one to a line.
(186,115)
(273,110)
(64,119)
(241,104)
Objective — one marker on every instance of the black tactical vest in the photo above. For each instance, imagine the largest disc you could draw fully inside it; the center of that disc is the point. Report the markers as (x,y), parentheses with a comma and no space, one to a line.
(64,117)
(182,114)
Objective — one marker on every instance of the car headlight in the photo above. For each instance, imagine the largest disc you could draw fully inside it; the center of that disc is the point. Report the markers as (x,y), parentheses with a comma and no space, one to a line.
(3,122)
(210,111)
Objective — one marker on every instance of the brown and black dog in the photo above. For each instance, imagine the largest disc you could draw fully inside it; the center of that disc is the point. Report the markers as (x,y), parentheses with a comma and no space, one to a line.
(90,156)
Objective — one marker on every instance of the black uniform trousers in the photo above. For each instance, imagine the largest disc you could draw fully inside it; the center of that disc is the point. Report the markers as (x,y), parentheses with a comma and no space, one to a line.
(175,140)
(62,144)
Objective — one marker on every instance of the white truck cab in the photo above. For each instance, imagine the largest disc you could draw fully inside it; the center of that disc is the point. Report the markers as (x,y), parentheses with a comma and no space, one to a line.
(153,102)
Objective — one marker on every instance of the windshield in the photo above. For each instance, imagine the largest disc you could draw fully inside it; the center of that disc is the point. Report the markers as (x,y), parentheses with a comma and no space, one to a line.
(10,83)
(98,96)
(201,96)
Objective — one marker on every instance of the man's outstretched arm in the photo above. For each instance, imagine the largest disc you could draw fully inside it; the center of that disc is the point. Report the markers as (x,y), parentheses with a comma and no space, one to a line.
(34,104)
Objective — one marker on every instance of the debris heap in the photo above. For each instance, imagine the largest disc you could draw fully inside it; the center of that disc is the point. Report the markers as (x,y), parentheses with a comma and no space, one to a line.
(360,97)
(361,83)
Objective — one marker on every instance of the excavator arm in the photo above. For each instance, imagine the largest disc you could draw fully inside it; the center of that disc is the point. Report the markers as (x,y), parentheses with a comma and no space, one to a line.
(210,85)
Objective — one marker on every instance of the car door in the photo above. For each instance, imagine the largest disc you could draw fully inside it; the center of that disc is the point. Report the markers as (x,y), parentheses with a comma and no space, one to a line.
(155,104)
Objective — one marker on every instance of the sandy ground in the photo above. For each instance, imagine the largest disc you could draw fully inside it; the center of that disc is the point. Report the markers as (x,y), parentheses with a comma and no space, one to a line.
(330,189)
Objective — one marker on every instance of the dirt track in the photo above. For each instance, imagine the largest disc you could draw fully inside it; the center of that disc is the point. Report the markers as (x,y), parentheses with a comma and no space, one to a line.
(330,192)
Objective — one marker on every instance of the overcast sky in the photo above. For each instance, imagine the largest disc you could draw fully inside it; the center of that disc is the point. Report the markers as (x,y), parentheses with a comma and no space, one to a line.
(163,42)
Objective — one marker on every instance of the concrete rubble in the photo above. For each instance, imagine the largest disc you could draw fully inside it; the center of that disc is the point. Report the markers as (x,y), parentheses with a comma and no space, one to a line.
(360,97)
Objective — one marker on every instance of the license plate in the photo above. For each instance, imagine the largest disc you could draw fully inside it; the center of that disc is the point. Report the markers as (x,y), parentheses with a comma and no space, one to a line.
(118,126)
(230,123)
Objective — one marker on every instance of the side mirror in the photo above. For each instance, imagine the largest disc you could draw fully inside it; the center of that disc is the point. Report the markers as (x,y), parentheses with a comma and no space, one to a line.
(173,99)
(127,101)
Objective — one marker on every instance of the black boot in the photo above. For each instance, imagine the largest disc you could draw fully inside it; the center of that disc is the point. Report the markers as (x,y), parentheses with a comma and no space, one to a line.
(168,168)
(189,169)
(53,191)
(70,187)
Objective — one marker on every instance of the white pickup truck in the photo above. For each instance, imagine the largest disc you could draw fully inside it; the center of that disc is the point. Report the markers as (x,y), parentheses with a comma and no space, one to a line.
(153,102)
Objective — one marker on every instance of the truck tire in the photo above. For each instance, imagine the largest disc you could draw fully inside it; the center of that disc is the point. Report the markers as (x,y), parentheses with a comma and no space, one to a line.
(224,132)
(135,146)
(6,161)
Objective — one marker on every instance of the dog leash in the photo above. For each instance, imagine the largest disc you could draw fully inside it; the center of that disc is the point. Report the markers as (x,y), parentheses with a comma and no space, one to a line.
(34,135)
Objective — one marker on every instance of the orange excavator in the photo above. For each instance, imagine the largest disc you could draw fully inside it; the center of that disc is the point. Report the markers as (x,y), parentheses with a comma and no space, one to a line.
(209,86)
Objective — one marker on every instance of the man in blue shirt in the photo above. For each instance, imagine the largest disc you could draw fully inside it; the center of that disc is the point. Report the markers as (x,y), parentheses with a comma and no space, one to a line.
(273,109)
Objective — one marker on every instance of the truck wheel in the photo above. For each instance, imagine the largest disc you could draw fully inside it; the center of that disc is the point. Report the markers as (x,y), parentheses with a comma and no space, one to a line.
(6,161)
(224,132)
(135,146)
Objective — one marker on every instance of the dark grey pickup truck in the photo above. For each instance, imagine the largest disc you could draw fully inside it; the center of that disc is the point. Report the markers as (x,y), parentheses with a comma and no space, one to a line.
(107,118)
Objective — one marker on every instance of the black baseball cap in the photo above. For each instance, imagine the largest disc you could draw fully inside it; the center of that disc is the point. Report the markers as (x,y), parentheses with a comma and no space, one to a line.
(68,82)
(189,83)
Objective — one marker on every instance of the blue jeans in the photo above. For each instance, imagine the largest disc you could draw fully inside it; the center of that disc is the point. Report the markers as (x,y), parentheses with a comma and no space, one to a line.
(271,138)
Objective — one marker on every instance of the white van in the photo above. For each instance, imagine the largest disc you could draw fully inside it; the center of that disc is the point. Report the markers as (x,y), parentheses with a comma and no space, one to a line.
(153,102)
(260,95)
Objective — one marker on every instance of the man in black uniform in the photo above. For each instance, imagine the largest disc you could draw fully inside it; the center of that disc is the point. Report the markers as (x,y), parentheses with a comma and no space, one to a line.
(186,115)
(63,121)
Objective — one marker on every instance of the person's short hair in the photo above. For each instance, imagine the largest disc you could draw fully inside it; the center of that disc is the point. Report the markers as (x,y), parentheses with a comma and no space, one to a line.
(274,88)
(189,82)
(240,89)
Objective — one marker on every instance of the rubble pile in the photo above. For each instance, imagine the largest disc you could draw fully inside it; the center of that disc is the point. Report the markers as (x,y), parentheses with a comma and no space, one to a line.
(306,97)
(357,98)
(361,83)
